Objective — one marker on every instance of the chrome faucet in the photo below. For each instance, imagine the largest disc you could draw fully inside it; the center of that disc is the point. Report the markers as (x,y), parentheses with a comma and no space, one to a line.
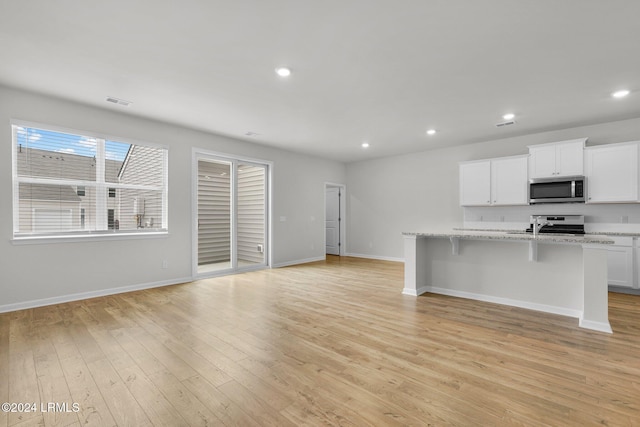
(537,225)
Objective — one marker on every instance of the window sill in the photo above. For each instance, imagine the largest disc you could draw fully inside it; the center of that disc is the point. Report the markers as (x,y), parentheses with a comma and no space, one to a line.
(39,240)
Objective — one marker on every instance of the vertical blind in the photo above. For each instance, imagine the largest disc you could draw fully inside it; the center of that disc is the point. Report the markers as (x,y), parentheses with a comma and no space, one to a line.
(67,184)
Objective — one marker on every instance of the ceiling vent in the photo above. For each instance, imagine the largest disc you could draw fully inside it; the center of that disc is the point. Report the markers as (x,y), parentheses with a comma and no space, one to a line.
(508,123)
(118,101)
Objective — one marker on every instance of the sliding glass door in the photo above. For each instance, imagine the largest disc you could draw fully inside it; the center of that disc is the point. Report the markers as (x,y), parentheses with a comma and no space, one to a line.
(231,215)
(251,214)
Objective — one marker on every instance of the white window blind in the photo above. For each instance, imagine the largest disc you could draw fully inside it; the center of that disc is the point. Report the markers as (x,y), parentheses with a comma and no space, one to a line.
(68,184)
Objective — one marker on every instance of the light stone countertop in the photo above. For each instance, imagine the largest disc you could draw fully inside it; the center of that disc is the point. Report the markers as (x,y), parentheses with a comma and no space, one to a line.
(517,235)
(615,233)
(591,233)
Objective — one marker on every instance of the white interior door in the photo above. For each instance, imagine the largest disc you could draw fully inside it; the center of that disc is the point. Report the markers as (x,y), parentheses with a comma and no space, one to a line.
(332,221)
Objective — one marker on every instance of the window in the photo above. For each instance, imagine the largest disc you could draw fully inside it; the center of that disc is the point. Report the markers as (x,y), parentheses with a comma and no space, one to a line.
(111,219)
(68,184)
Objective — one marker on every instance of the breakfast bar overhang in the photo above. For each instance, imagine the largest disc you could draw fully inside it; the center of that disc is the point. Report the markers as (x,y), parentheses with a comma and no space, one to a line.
(558,274)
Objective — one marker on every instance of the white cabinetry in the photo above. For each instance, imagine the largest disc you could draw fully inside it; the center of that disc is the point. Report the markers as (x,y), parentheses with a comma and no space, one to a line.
(620,262)
(500,181)
(475,183)
(612,173)
(509,181)
(556,159)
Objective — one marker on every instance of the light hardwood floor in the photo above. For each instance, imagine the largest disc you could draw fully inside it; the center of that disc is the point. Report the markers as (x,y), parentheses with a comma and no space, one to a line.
(326,343)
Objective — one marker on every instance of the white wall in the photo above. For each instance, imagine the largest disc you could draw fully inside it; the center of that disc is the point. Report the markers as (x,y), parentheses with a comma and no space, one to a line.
(44,273)
(420,191)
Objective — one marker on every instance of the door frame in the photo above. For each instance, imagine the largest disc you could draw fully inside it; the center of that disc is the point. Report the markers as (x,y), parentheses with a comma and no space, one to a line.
(343,215)
(197,153)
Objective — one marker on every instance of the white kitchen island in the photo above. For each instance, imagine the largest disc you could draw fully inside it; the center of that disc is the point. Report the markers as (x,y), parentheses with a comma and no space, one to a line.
(557,274)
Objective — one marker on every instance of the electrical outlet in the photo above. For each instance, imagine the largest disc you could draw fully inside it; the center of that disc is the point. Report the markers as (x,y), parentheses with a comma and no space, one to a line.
(261,248)
(165,263)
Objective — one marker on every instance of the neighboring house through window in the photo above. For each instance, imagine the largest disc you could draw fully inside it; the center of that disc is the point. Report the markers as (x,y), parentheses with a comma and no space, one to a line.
(68,183)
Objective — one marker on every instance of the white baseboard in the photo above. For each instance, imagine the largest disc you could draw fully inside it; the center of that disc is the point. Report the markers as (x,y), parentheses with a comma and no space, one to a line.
(504,301)
(415,292)
(596,326)
(298,261)
(86,295)
(381,258)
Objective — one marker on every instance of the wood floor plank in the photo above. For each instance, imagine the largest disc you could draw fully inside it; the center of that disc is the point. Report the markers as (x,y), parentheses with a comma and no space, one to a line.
(158,409)
(258,409)
(194,412)
(23,378)
(23,386)
(326,343)
(93,410)
(124,408)
(222,406)
(52,382)
(4,366)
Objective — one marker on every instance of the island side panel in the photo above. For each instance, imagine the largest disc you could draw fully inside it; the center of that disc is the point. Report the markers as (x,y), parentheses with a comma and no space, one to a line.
(416,271)
(596,298)
(500,271)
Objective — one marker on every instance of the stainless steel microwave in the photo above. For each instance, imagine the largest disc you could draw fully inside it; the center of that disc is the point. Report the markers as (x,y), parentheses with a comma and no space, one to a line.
(568,189)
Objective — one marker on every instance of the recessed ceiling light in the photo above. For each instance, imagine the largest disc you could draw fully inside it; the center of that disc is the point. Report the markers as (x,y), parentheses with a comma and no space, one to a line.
(620,93)
(365,145)
(283,71)
(508,116)
(431,132)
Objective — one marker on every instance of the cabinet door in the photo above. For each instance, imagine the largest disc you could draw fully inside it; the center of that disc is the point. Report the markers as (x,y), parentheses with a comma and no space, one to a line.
(620,266)
(569,159)
(509,181)
(612,173)
(542,161)
(475,183)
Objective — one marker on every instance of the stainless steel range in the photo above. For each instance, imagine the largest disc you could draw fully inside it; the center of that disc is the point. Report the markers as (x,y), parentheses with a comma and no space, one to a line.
(558,224)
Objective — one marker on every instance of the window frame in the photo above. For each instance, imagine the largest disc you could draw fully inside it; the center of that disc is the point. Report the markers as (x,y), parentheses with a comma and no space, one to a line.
(101,186)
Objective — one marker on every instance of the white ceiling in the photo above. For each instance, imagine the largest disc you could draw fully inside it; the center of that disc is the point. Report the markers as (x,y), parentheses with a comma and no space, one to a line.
(383,71)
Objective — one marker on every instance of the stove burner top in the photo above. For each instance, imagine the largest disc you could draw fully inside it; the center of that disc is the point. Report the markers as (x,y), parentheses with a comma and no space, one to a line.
(560,229)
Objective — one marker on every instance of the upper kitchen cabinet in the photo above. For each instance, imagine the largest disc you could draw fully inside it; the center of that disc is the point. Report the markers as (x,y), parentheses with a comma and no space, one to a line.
(556,159)
(612,173)
(475,183)
(494,182)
